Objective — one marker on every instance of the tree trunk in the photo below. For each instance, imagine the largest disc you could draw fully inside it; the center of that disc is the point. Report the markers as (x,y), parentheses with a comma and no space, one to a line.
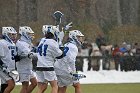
(119,17)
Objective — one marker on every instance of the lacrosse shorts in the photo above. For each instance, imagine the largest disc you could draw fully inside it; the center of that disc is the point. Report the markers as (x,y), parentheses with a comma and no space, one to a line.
(4,77)
(66,80)
(26,76)
(43,76)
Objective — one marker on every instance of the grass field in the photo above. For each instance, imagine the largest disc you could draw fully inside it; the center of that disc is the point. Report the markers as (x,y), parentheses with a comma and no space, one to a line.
(98,88)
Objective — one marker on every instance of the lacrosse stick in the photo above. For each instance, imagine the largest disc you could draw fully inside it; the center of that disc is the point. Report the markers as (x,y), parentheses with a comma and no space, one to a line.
(57,16)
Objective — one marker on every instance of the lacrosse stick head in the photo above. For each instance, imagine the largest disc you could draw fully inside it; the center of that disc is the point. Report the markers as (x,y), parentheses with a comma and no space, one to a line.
(57,16)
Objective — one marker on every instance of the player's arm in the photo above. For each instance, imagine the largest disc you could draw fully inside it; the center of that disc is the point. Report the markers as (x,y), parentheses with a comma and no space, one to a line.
(2,53)
(64,52)
(23,52)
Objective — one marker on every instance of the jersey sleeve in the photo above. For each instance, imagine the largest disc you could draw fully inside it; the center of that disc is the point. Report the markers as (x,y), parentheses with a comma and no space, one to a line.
(2,53)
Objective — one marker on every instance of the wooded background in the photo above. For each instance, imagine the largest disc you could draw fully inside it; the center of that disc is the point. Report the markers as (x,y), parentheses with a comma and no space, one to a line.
(118,20)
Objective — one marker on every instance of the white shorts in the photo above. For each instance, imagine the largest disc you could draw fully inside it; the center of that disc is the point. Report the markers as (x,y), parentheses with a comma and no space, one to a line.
(4,77)
(66,80)
(43,76)
(26,76)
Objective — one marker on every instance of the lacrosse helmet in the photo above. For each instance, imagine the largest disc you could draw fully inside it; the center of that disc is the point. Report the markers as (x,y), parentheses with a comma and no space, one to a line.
(26,32)
(9,33)
(75,35)
(54,30)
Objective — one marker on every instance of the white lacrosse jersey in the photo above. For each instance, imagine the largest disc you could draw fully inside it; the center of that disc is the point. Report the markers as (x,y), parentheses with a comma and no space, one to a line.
(67,63)
(25,64)
(7,53)
(48,50)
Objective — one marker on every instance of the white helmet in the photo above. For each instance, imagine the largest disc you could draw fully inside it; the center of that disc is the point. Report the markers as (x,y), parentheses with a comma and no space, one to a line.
(6,31)
(73,36)
(25,31)
(75,33)
(52,29)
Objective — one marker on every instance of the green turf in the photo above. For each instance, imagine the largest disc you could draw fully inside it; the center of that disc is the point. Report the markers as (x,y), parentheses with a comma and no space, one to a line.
(98,88)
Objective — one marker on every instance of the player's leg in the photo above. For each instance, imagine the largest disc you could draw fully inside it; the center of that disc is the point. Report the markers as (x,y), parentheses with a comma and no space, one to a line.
(10,86)
(77,87)
(62,89)
(3,83)
(8,83)
(41,82)
(24,79)
(54,86)
(32,85)
(42,87)
(3,87)
(33,81)
(25,85)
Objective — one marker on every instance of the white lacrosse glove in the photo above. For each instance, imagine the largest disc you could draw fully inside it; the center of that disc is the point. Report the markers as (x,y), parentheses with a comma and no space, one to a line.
(15,75)
(69,25)
(77,76)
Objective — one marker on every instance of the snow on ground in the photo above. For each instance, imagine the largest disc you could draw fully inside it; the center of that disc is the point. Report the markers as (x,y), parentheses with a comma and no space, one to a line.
(109,76)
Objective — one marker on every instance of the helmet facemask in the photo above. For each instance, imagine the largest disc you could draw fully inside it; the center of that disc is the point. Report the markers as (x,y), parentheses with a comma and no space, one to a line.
(12,36)
(76,36)
(26,32)
(29,36)
(9,33)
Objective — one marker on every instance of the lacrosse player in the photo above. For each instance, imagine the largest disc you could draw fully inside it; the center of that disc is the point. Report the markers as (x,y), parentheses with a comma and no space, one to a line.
(65,67)
(24,66)
(48,50)
(7,59)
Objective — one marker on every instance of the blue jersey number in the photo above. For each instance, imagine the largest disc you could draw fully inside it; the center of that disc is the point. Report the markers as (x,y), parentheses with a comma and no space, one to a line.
(42,49)
(65,51)
(12,54)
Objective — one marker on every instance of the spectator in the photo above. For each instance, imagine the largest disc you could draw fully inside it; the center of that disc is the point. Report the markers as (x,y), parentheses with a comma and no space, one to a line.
(116,55)
(89,59)
(128,61)
(95,53)
(106,51)
(79,61)
(136,51)
(122,50)
(100,40)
